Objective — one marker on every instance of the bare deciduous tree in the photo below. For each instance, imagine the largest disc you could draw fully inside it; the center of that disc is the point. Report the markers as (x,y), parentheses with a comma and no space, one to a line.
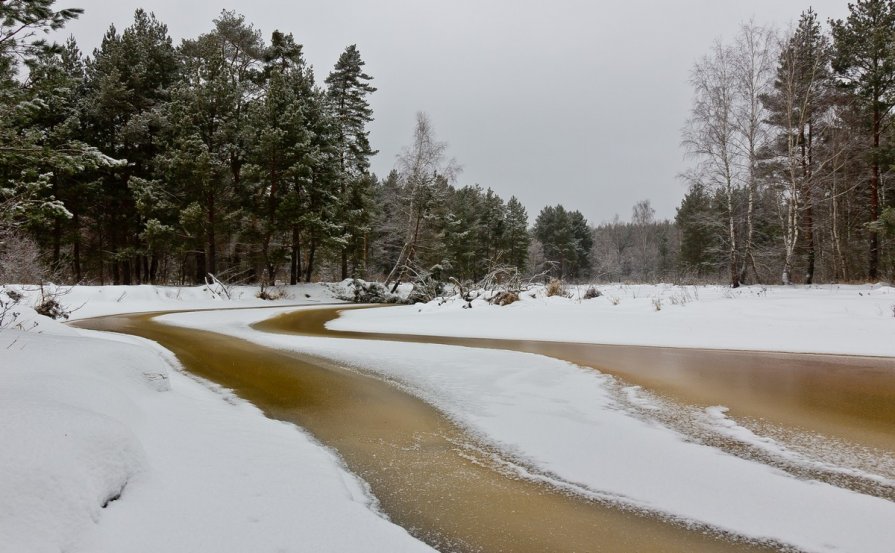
(727,133)
(710,137)
(754,61)
(421,167)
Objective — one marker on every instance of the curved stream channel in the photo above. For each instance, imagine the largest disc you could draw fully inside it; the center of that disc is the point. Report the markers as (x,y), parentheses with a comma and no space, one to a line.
(430,477)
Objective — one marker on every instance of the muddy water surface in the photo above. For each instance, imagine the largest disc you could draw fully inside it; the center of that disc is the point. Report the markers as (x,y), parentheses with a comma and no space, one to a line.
(428,475)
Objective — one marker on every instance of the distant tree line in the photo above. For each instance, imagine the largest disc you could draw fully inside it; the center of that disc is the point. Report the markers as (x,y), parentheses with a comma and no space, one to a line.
(150,162)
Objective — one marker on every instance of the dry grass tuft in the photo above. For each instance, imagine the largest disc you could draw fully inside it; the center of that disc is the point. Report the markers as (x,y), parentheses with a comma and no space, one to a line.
(556,288)
(504,298)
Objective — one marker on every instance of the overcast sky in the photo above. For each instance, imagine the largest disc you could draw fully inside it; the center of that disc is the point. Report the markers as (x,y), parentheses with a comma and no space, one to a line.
(567,101)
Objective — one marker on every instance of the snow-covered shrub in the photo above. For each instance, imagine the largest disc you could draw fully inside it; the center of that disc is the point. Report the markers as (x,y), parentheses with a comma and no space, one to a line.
(681,297)
(592,293)
(9,301)
(49,305)
(361,291)
(428,284)
(504,298)
(14,313)
(266,292)
(52,308)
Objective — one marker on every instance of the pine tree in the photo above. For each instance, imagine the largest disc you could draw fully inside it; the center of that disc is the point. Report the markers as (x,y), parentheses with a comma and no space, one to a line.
(516,236)
(566,240)
(696,221)
(127,80)
(210,141)
(30,159)
(56,80)
(279,148)
(41,147)
(864,60)
(347,89)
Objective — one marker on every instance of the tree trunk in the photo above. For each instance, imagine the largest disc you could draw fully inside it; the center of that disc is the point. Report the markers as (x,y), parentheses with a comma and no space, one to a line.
(733,261)
(295,263)
(116,273)
(139,266)
(211,249)
(310,268)
(407,254)
(200,267)
(873,266)
(790,236)
(809,214)
(76,246)
(102,261)
(57,242)
(365,271)
(809,238)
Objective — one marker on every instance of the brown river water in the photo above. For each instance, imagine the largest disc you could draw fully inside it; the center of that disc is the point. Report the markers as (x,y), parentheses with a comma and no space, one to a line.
(456,494)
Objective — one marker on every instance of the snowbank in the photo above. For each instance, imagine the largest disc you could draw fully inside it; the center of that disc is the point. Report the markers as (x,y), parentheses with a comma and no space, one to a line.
(839,319)
(94,301)
(107,447)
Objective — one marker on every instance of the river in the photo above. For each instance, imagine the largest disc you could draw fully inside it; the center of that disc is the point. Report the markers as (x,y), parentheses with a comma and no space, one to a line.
(447,489)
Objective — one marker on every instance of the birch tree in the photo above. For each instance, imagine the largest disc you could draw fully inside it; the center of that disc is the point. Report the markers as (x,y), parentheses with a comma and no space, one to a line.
(421,167)
(753,64)
(711,138)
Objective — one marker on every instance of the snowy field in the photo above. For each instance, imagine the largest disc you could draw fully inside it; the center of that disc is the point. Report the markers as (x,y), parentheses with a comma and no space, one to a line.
(842,319)
(88,417)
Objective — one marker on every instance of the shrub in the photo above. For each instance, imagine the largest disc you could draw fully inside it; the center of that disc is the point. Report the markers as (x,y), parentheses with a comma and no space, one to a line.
(592,293)
(370,292)
(20,259)
(49,304)
(555,288)
(504,298)
(52,309)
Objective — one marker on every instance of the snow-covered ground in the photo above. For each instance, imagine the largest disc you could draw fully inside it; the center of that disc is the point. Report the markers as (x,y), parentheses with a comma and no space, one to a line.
(86,417)
(571,426)
(844,319)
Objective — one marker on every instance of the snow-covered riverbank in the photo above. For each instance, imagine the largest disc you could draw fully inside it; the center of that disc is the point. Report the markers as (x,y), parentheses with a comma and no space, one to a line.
(843,319)
(88,417)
